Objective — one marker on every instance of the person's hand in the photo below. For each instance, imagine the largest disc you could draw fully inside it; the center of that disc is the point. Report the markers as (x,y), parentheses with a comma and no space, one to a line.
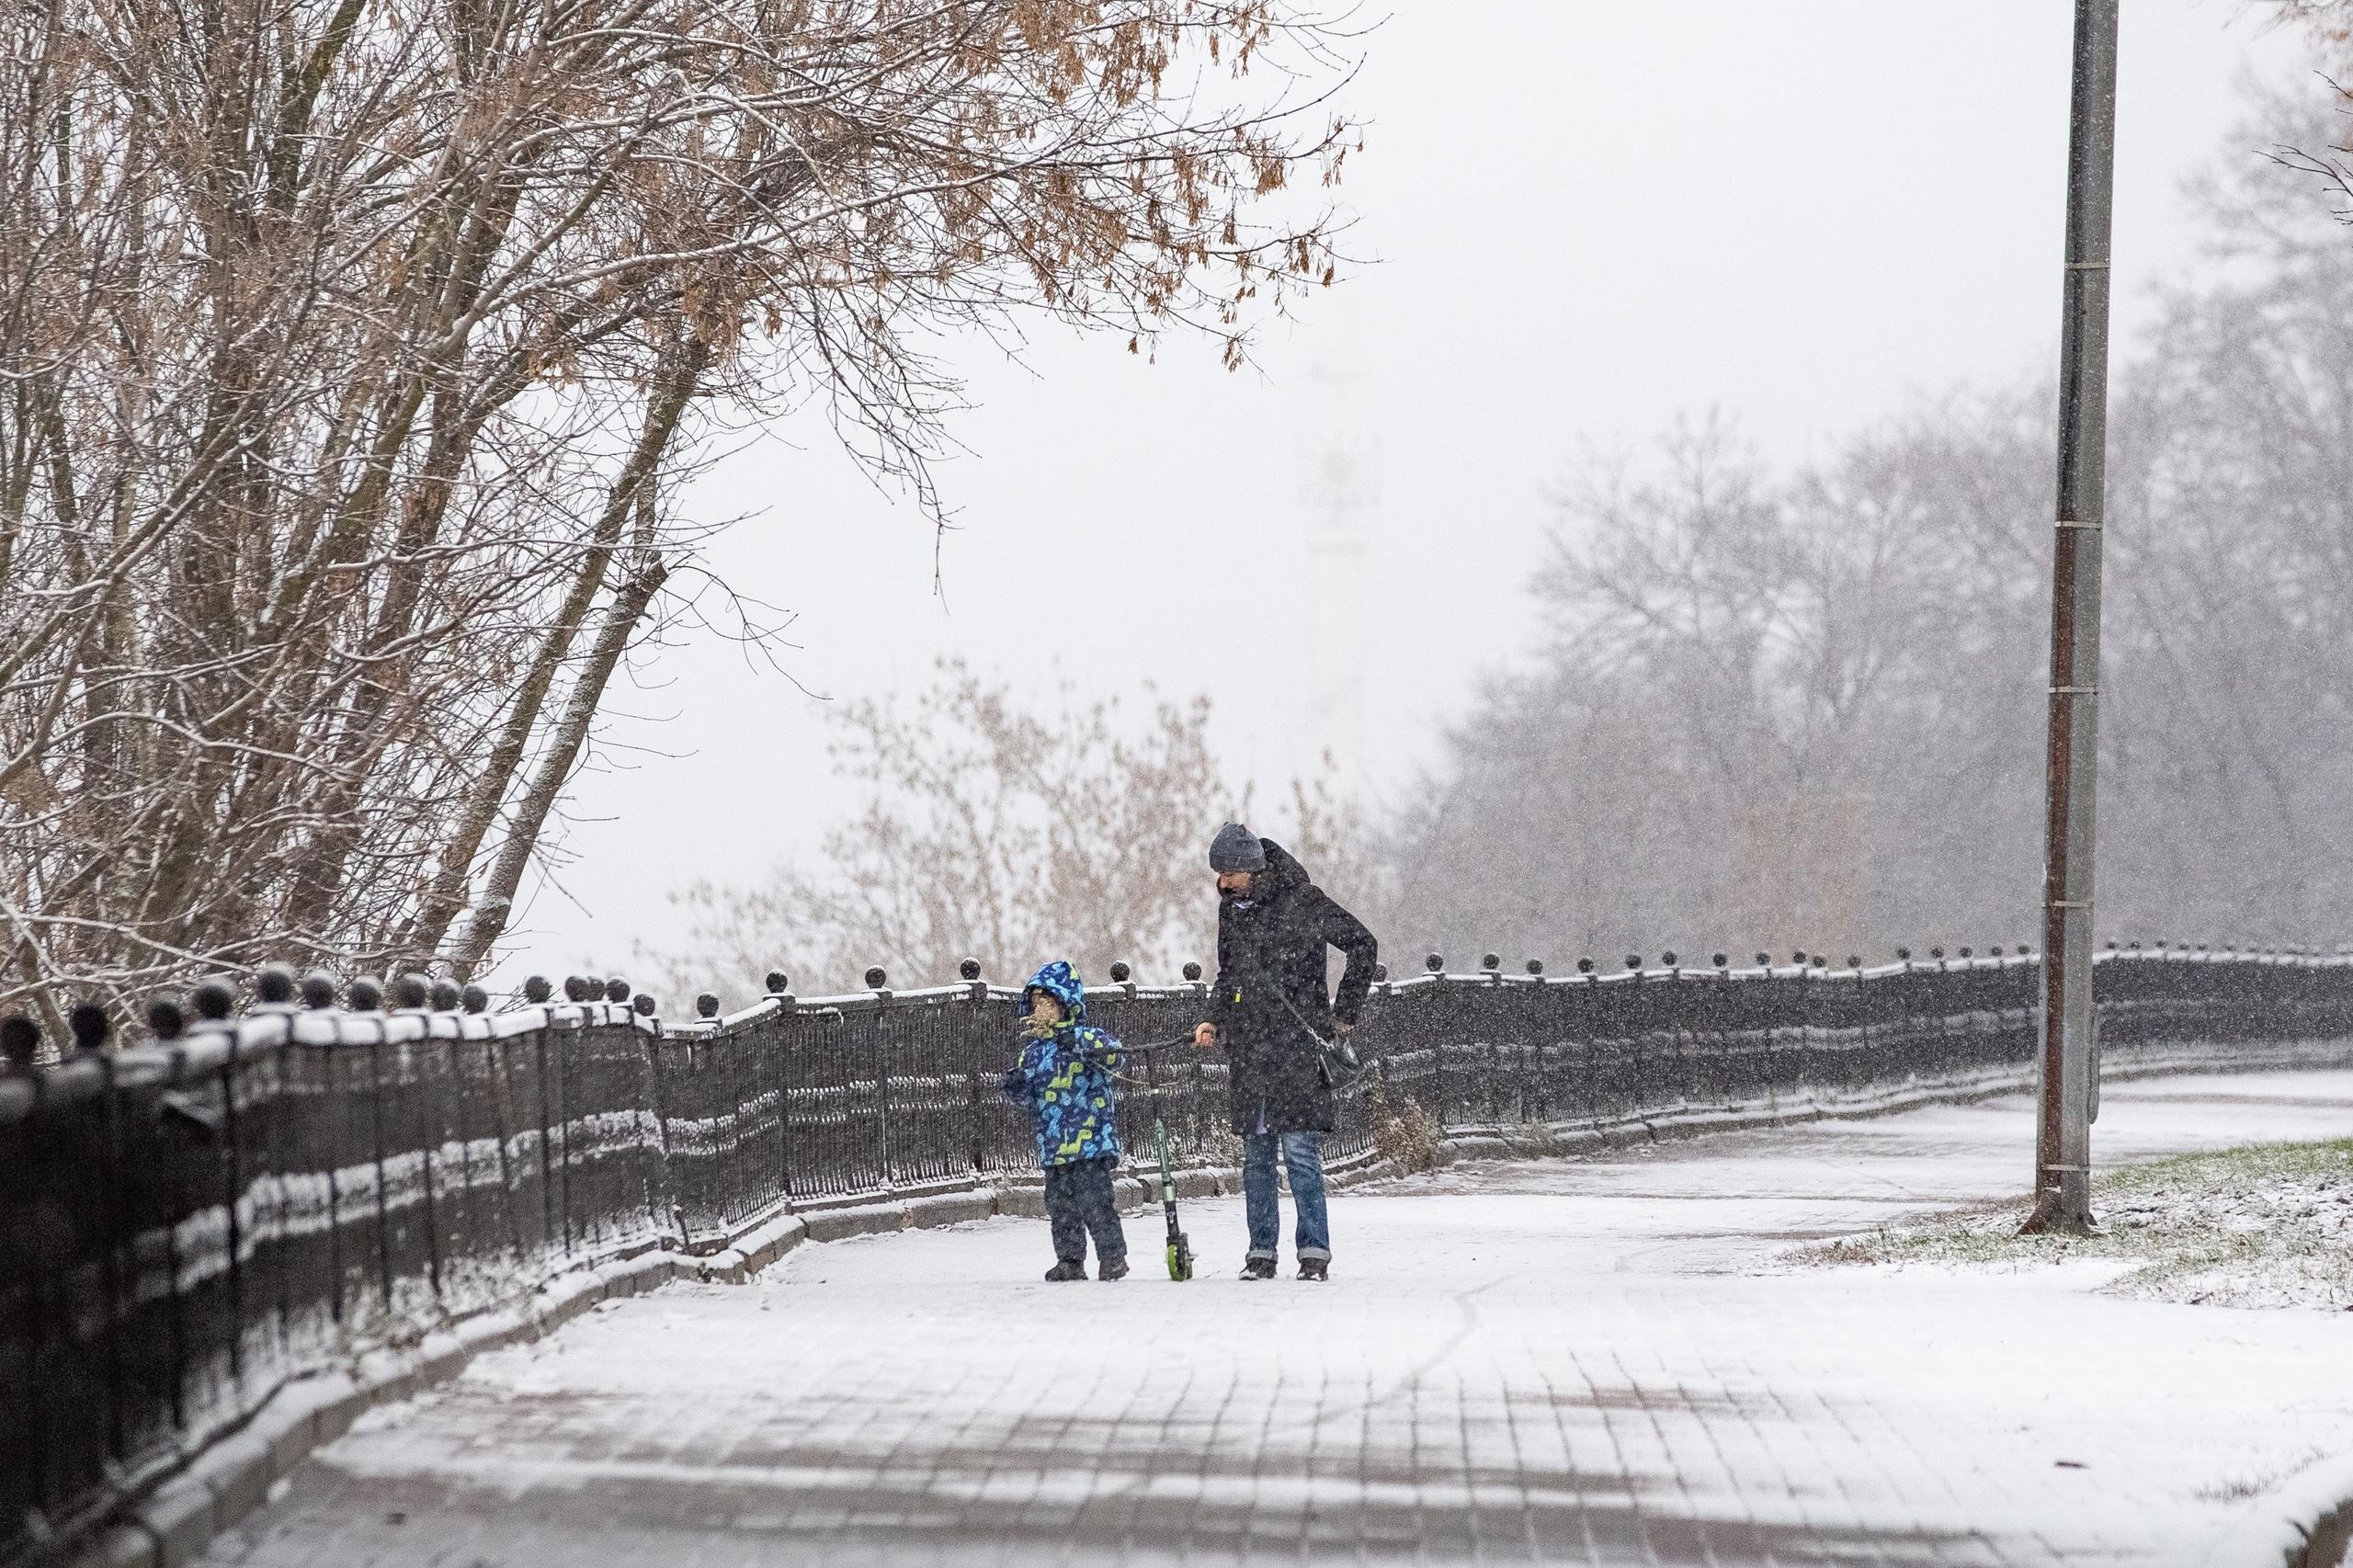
(1205,1035)
(1342,1030)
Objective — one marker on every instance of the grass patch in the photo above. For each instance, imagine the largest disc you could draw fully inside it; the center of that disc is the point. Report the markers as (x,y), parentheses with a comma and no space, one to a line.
(2264,1224)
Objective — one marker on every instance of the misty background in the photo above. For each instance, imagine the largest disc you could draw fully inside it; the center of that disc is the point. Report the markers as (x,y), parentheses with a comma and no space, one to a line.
(1599,246)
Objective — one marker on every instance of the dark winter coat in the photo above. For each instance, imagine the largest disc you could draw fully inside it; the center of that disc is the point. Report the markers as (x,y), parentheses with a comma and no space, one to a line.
(1270,994)
(1064,1077)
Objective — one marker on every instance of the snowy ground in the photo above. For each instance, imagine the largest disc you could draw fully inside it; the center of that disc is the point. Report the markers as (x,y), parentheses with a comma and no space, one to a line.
(1603,1360)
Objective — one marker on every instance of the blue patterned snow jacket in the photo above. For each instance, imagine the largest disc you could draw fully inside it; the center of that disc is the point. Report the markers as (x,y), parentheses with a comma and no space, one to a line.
(1064,1077)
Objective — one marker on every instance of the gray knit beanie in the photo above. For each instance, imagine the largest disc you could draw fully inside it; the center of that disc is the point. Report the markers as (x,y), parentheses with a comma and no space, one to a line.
(1236,848)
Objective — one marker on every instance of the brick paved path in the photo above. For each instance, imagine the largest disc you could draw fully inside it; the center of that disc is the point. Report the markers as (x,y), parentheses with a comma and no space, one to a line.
(1579,1361)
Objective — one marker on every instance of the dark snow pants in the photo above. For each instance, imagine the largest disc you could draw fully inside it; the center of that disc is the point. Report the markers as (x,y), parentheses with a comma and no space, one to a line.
(1079,1201)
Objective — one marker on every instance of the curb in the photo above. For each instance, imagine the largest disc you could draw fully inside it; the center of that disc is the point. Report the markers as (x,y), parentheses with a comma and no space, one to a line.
(2306,1522)
(232,1474)
(2329,1541)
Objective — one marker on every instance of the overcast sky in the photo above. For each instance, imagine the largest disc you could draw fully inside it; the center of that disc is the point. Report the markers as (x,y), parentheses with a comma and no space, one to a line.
(1583,221)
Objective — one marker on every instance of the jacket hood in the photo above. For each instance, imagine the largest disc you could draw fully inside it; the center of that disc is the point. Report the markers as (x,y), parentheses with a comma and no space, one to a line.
(1061,981)
(1283,873)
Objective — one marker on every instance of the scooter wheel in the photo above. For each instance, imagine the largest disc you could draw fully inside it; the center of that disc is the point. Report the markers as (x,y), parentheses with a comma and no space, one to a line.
(1180,1260)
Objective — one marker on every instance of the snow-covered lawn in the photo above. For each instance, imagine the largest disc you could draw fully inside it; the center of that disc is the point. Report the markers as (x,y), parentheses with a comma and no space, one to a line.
(1601,1361)
(2262,1225)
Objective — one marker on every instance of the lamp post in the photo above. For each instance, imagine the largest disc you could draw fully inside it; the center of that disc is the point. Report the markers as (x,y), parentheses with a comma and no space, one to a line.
(2063,1143)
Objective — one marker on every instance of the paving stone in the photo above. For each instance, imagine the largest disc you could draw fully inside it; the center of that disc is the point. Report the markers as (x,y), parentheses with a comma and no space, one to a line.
(1608,1361)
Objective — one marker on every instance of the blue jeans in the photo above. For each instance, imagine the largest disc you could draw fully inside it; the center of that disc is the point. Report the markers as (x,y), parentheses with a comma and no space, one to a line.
(1303,1155)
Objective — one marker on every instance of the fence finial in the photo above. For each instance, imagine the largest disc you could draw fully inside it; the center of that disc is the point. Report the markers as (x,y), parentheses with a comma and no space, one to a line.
(969,969)
(90,1026)
(707,1005)
(318,990)
(274,984)
(19,1042)
(537,989)
(163,1016)
(475,999)
(213,1000)
(1192,971)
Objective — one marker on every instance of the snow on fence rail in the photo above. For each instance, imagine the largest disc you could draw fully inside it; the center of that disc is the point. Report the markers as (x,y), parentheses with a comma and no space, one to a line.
(188,1224)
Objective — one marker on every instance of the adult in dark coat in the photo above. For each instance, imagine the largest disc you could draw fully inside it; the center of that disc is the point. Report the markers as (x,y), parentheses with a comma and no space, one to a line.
(1271,1010)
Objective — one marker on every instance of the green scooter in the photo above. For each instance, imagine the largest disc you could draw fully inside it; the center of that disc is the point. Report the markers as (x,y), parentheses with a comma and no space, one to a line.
(1180,1250)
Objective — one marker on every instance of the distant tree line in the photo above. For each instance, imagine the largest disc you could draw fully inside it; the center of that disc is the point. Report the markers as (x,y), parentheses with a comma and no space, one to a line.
(1804,708)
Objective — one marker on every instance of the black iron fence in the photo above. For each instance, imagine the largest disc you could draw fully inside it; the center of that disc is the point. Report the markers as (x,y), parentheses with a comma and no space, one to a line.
(188,1225)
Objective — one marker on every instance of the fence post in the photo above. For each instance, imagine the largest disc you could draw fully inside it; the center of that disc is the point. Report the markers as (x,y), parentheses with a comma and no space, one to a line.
(497,1081)
(231,1186)
(1198,1068)
(878,981)
(383,1199)
(975,1106)
(416,994)
(547,1133)
(115,1220)
(777,984)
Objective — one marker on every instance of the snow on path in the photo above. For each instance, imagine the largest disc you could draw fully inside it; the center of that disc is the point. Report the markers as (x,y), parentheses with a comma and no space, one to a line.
(1600,1360)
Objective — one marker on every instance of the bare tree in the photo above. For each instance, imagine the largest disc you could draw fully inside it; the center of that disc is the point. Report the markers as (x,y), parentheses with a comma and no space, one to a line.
(355,349)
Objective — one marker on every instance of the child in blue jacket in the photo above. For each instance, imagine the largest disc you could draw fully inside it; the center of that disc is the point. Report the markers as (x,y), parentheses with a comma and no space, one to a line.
(1065,1080)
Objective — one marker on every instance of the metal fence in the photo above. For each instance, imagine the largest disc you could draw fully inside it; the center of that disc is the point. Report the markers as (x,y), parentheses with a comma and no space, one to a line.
(188,1225)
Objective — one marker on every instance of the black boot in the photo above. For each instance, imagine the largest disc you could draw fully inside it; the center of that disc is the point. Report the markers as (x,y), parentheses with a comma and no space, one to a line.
(1117,1269)
(1316,1269)
(1257,1269)
(1068,1268)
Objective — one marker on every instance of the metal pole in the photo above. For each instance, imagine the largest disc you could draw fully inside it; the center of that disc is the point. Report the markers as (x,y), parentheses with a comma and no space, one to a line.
(2062,1145)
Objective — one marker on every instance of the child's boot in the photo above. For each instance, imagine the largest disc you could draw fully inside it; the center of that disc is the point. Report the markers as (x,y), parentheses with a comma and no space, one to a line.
(1113,1269)
(1068,1268)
